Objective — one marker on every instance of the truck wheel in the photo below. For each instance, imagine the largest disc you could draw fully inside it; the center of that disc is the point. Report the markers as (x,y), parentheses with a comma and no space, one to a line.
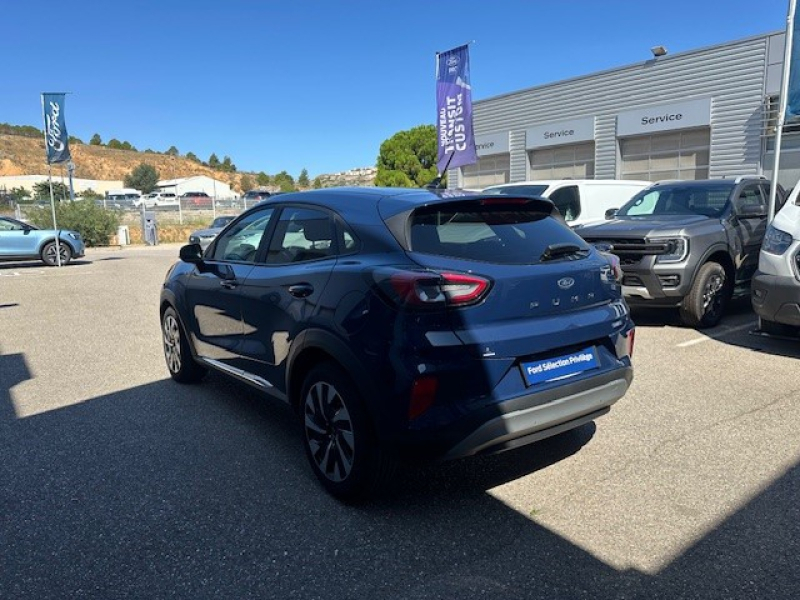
(706,302)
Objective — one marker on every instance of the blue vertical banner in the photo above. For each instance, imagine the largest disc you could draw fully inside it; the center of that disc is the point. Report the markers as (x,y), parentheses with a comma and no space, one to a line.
(456,141)
(793,95)
(55,129)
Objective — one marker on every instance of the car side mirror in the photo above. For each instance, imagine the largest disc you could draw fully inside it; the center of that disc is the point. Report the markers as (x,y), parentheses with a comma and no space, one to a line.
(611,213)
(751,211)
(191,253)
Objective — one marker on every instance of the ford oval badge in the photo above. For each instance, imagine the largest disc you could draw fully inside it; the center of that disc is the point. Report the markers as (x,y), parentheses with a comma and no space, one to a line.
(566,283)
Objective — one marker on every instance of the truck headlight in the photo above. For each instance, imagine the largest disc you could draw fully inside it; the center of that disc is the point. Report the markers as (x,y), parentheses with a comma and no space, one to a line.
(776,241)
(676,249)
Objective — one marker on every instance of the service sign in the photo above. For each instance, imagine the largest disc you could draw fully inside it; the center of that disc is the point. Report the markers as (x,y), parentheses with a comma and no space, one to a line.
(557,134)
(456,142)
(492,143)
(665,117)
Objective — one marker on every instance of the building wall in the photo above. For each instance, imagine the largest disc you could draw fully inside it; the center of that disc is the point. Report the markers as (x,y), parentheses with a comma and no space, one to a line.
(732,75)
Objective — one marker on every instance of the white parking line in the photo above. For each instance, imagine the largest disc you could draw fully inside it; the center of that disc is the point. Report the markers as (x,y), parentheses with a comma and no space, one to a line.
(722,333)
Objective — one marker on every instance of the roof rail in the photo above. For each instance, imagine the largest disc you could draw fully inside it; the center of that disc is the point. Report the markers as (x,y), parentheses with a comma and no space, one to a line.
(742,178)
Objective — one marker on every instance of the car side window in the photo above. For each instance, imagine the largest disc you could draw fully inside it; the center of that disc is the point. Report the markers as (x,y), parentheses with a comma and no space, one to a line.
(240,242)
(10,226)
(749,196)
(567,201)
(301,234)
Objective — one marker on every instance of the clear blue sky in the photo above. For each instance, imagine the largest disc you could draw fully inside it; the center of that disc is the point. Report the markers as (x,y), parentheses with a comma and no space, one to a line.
(295,83)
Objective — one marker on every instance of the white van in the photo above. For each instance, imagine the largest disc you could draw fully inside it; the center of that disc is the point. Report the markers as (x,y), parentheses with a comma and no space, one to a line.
(776,284)
(580,201)
(123,198)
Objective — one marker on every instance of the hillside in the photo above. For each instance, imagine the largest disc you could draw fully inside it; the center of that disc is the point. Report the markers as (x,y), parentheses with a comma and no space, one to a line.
(25,156)
(21,155)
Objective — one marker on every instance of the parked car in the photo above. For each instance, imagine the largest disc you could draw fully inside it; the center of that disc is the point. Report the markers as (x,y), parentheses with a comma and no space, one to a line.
(404,323)
(204,237)
(23,241)
(776,284)
(158,200)
(688,244)
(580,201)
(195,200)
(255,196)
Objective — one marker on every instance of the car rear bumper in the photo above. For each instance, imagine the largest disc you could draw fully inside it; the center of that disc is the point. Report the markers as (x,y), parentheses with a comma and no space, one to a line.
(776,298)
(538,415)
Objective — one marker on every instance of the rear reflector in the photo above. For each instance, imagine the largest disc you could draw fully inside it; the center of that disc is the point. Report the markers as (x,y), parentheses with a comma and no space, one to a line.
(423,393)
(631,338)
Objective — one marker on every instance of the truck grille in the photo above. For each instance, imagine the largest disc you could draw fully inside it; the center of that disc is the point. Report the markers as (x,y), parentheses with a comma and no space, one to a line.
(631,250)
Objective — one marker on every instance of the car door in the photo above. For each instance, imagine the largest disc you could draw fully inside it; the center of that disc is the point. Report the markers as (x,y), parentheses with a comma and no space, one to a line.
(213,288)
(750,225)
(17,239)
(281,295)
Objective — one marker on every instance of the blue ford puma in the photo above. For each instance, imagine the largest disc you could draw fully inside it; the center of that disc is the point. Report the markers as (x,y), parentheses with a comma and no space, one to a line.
(23,241)
(404,323)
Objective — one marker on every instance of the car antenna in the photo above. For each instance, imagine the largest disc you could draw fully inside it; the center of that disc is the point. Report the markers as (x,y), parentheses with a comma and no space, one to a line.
(436,182)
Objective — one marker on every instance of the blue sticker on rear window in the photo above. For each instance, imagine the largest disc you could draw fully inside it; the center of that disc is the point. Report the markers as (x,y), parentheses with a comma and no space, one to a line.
(559,367)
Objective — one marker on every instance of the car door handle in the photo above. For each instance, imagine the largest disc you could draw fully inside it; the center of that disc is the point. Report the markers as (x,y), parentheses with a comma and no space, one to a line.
(229,284)
(301,290)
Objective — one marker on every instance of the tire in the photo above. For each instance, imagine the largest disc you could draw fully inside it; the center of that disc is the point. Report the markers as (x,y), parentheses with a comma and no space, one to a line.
(49,253)
(338,437)
(181,365)
(708,298)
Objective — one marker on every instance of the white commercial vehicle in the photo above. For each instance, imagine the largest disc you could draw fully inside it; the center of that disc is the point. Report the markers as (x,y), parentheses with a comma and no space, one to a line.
(580,201)
(123,198)
(159,199)
(776,284)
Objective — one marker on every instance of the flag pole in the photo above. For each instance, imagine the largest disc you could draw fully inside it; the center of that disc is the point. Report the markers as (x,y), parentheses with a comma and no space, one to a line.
(784,100)
(50,181)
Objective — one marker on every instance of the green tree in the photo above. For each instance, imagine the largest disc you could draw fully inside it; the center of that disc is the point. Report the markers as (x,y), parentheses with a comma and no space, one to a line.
(213,161)
(408,158)
(173,151)
(96,140)
(263,179)
(114,143)
(41,191)
(90,194)
(302,180)
(75,140)
(93,222)
(127,146)
(317,183)
(192,156)
(227,165)
(19,194)
(284,181)
(246,183)
(143,178)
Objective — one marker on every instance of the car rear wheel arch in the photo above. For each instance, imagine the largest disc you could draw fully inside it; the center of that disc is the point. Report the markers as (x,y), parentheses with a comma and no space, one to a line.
(315,346)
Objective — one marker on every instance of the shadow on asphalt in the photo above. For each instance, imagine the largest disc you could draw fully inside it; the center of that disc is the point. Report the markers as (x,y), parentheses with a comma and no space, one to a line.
(737,312)
(197,492)
(16,265)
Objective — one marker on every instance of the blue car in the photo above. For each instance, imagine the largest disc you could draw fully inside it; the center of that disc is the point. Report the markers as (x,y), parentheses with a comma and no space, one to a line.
(404,323)
(23,241)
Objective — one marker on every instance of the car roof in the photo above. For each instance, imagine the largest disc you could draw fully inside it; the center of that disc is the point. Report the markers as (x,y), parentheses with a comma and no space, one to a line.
(549,182)
(704,182)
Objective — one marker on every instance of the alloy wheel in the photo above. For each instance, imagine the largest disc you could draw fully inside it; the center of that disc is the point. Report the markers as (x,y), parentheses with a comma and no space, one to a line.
(172,343)
(329,431)
(712,295)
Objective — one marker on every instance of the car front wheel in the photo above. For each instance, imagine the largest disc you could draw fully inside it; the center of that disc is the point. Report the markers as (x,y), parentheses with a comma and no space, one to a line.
(706,302)
(50,253)
(338,437)
(182,366)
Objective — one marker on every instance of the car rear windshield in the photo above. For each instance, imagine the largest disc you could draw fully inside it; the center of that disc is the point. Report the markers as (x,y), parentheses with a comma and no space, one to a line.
(500,234)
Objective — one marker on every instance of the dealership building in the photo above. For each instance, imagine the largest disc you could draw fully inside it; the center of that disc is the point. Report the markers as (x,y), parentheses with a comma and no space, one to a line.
(704,113)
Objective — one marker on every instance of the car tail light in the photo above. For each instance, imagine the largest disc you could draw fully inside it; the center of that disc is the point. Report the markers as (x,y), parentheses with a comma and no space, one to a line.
(423,394)
(430,288)
(631,339)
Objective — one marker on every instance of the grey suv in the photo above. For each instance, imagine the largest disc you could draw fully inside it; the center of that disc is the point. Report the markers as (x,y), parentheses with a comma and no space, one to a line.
(688,244)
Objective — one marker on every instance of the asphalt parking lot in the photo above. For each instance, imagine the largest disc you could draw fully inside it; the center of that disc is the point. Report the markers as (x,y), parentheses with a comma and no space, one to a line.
(117,483)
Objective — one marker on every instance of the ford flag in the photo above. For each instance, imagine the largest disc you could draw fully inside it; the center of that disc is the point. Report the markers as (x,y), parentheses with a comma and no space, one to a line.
(454,110)
(55,130)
